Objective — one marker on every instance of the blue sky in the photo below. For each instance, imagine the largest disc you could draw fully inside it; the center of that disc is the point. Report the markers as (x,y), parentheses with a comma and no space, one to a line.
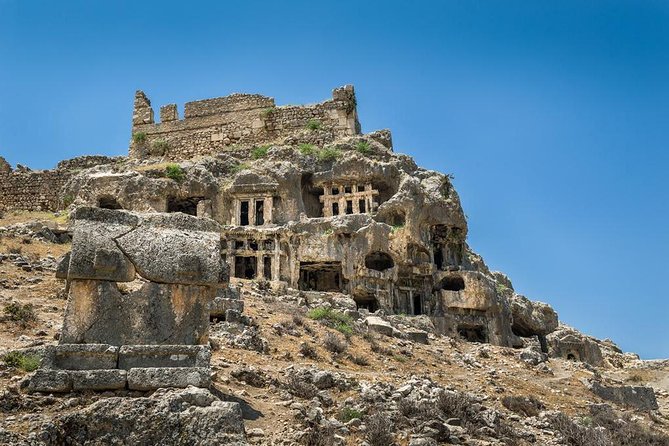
(554,118)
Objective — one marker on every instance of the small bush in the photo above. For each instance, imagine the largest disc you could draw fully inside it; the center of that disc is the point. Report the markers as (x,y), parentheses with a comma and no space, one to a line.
(344,328)
(413,409)
(175,172)
(67,200)
(524,405)
(18,360)
(635,378)
(456,405)
(298,319)
(359,360)
(239,167)
(320,435)
(314,124)
(379,430)
(158,148)
(348,413)
(308,351)
(266,113)
(335,344)
(363,148)
(300,389)
(328,154)
(15,250)
(329,315)
(139,137)
(307,149)
(259,152)
(23,314)
(396,228)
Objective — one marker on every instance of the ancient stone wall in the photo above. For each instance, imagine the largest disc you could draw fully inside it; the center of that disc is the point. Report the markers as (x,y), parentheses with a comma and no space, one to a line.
(225,124)
(32,191)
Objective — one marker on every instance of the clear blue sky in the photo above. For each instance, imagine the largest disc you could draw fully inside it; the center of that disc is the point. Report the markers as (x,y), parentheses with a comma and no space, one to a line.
(554,119)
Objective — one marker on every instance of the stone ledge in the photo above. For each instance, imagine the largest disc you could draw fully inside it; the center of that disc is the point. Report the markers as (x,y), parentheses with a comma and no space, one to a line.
(154,378)
(81,357)
(146,356)
(49,381)
(98,379)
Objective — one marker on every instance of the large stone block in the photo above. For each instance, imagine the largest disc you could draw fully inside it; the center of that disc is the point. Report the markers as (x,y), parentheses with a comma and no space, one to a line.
(45,380)
(157,313)
(142,356)
(95,254)
(82,357)
(98,379)
(639,397)
(220,305)
(154,378)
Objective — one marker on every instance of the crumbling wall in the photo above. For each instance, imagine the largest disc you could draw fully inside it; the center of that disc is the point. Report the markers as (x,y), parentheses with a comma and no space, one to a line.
(222,124)
(25,190)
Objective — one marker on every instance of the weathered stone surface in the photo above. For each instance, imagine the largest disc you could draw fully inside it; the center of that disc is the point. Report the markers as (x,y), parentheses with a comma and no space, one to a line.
(419,336)
(639,397)
(98,312)
(377,324)
(220,305)
(568,343)
(132,356)
(98,379)
(154,378)
(182,417)
(532,318)
(81,357)
(46,380)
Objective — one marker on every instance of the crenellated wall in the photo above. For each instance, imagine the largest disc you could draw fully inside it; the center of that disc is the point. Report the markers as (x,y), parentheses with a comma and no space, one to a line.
(222,124)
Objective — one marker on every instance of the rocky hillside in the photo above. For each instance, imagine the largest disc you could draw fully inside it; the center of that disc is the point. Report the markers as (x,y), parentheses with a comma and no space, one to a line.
(310,367)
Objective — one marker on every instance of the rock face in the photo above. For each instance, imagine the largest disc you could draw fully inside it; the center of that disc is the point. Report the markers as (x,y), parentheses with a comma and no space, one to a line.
(305,201)
(639,397)
(149,332)
(190,416)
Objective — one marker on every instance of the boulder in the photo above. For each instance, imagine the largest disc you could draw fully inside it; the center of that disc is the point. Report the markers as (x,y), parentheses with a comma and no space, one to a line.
(379,325)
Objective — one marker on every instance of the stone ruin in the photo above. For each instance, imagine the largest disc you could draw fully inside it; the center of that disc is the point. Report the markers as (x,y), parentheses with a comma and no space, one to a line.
(300,198)
(139,288)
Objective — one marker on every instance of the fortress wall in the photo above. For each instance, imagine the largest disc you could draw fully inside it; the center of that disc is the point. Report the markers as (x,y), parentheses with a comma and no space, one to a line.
(32,191)
(223,124)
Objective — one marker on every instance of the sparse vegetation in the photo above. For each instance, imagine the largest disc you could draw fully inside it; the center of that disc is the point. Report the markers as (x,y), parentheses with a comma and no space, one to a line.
(334,343)
(379,430)
(307,149)
(359,360)
(308,351)
(348,413)
(27,363)
(502,289)
(236,168)
(158,148)
(524,405)
(267,113)
(67,200)
(24,314)
(396,228)
(363,148)
(260,152)
(328,154)
(139,137)
(175,172)
(314,124)
(300,388)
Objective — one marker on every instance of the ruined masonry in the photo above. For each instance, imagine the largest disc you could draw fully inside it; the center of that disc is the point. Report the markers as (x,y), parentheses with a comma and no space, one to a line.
(296,196)
(137,317)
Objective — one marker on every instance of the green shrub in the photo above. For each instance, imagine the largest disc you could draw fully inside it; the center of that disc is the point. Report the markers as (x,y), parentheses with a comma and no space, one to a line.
(396,228)
(501,288)
(329,315)
(348,413)
(175,172)
(314,124)
(139,137)
(67,200)
(344,328)
(363,148)
(307,149)
(328,154)
(158,148)
(266,113)
(23,314)
(259,152)
(239,167)
(18,360)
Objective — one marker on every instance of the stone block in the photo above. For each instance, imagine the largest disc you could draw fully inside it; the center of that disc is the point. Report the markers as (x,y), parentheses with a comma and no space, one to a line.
(98,379)
(45,380)
(419,336)
(144,356)
(154,378)
(157,313)
(82,357)
(377,324)
(220,305)
(639,397)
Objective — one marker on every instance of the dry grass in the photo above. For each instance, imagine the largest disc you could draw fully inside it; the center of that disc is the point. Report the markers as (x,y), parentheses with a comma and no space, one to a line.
(12,218)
